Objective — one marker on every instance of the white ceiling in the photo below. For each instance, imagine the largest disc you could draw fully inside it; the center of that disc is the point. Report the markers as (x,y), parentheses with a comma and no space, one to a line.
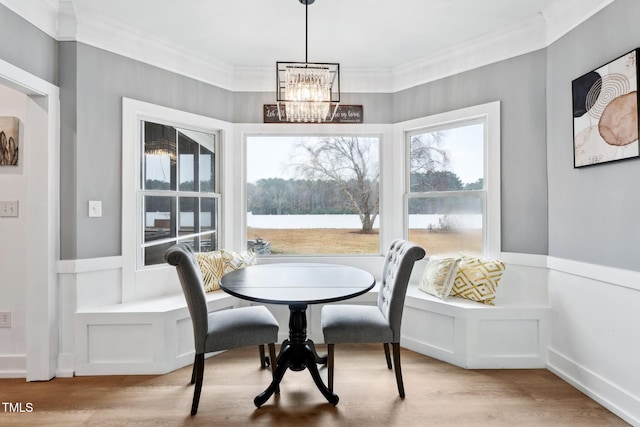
(381,45)
(355,33)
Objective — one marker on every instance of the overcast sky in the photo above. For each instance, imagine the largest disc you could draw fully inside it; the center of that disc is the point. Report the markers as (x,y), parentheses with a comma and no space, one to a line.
(267,156)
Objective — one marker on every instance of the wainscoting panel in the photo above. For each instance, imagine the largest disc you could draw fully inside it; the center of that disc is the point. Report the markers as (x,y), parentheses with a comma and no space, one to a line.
(134,343)
(595,339)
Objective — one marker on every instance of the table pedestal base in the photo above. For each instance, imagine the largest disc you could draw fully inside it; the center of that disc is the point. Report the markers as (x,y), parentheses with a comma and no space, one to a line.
(297,353)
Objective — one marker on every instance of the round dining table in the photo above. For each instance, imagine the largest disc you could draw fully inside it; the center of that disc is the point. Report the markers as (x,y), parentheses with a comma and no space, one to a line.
(297,285)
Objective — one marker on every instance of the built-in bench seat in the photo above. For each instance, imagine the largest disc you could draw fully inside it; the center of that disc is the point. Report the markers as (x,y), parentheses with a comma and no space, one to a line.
(160,304)
(155,336)
(513,333)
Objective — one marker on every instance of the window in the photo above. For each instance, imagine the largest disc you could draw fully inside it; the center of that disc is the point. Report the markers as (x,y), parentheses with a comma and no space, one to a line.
(313,195)
(447,186)
(171,192)
(177,190)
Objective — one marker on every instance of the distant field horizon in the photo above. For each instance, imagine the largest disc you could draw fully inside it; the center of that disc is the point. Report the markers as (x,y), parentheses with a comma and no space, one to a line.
(352,221)
(340,241)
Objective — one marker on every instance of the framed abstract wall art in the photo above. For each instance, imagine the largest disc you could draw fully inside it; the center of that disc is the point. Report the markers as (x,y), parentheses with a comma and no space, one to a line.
(605,113)
(9,129)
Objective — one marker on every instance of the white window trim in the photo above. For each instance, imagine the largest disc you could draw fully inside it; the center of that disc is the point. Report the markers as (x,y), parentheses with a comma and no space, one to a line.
(490,114)
(160,279)
(141,283)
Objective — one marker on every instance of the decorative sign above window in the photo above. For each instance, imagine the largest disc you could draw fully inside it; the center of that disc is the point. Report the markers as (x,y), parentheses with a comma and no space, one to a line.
(344,114)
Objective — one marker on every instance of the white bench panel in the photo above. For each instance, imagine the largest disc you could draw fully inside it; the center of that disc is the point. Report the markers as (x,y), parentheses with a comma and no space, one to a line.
(513,333)
(439,330)
(142,337)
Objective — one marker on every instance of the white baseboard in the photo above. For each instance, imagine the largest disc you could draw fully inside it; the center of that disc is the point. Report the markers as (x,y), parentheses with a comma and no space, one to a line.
(13,366)
(65,367)
(599,389)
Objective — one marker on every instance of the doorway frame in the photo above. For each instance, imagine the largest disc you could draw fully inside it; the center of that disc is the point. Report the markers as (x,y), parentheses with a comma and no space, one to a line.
(42,207)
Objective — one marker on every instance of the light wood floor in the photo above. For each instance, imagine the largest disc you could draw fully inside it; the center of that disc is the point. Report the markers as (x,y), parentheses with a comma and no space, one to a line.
(437,394)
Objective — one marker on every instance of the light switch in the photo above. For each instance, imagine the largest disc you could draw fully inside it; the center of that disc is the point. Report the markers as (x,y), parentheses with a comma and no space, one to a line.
(95,208)
(5,319)
(9,208)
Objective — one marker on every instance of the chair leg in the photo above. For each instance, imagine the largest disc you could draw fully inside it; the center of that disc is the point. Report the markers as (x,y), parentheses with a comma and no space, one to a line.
(193,371)
(330,366)
(198,372)
(263,362)
(397,368)
(387,355)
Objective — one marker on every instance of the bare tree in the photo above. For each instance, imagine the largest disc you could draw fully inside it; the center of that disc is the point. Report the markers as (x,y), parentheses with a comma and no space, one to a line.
(350,162)
(426,157)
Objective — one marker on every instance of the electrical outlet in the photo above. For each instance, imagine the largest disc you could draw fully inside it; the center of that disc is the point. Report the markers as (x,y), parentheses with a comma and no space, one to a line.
(9,208)
(5,319)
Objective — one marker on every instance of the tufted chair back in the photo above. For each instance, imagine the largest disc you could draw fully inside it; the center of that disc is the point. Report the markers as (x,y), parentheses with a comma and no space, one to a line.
(396,272)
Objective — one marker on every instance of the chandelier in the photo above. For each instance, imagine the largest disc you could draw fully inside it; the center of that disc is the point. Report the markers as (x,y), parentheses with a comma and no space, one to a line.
(307,91)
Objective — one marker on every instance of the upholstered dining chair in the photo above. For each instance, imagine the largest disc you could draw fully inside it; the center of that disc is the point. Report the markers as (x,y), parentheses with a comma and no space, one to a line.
(346,323)
(220,330)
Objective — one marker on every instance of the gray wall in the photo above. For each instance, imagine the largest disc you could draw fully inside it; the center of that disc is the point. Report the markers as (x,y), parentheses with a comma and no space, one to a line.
(92,157)
(68,141)
(594,212)
(590,215)
(26,47)
(519,84)
(93,82)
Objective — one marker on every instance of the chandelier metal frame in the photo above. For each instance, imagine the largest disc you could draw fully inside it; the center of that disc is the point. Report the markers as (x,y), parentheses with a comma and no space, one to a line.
(307,91)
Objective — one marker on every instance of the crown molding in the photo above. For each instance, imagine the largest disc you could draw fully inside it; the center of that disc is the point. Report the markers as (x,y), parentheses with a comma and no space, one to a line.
(63,20)
(67,23)
(563,16)
(41,13)
(518,39)
(110,35)
(254,79)
(368,80)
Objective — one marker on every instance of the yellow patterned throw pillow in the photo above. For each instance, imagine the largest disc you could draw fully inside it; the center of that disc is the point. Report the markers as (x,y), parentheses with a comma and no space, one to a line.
(438,276)
(216,264)
(477,279)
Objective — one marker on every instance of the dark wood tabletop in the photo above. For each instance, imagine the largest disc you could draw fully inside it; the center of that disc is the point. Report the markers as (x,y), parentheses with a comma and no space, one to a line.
(297,283)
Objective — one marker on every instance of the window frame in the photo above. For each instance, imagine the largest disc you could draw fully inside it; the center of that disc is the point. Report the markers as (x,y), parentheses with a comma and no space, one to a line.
(363,134)
(176,194)
(383,132)
(138,281)
(489,115)
(160,279)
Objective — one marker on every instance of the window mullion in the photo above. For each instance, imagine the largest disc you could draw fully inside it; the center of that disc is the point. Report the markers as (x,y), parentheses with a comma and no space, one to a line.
(177,203)
(457,193)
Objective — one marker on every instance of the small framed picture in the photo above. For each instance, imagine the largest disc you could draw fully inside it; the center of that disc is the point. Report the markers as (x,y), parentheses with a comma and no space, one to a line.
(9,133)
(605,113)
